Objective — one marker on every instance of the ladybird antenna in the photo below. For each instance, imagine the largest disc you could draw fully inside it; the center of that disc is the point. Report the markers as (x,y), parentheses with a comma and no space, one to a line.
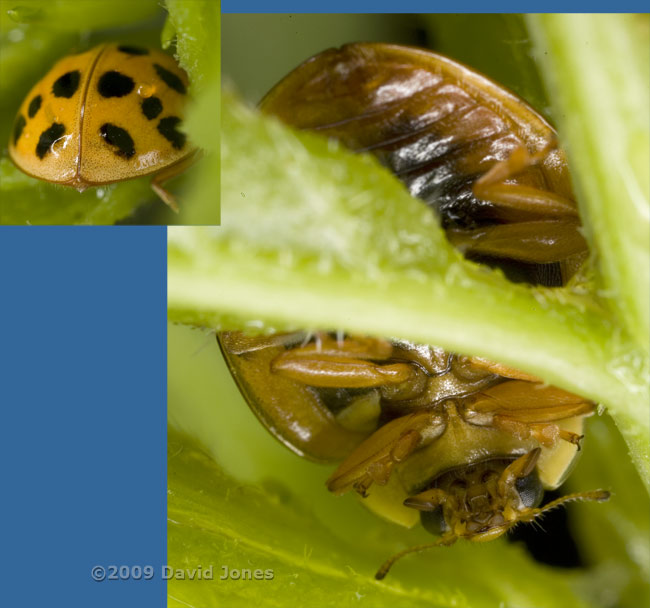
(597,495)
(388,564)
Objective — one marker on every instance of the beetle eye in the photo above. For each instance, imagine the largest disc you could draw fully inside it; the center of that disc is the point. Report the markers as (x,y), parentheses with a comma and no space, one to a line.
(530,490)
(433,521)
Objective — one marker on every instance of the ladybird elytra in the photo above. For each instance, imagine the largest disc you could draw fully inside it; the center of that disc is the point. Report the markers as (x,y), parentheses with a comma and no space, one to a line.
(464,445)
(105,115)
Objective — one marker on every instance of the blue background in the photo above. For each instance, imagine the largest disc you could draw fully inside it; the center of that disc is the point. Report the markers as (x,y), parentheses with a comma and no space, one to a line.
(83,394)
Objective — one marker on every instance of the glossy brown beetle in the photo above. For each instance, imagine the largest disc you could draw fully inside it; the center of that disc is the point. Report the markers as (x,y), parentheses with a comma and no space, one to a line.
(476,153)
(468,443)
(464,445)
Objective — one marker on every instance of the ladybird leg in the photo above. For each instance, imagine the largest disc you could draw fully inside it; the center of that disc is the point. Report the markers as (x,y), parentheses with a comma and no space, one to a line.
(379,470)
(168,173)
(546,433)
(354,347)
(374,459)
(518,469)
(468,367)
(541,226)
(427,500)
(339,372)
(521,467)
(552,412)
(527,402)
(536,242)
(517,201)
(522,430)
(527,410)
(343,365)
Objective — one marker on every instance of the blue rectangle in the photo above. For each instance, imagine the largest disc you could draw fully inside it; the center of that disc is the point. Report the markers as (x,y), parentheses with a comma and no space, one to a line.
(83,394)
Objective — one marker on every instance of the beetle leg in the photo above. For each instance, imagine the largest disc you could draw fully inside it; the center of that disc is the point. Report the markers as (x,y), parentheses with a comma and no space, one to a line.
(518,469)
(340,372)
(537,242)
(379,471)
(376,472)
(469,367)
(541,226)
(527,410)
(361,486)
(345,364)
(523,430)
(427,500)
(527,402)
(374,459)
(357,347)
(168,173)
(521,467)
(570,437)
(517,201)
(546,433)
(405,446)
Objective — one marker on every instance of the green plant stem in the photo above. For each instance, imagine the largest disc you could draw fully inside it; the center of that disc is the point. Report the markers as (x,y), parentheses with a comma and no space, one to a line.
(316,237)
(596,68)
(576,349)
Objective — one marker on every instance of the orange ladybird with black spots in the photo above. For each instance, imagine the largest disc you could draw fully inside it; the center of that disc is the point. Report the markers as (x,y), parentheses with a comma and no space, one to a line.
(105,115)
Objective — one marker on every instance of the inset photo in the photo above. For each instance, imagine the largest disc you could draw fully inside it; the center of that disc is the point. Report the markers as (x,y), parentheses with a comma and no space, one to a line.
(110,112)
(410,368)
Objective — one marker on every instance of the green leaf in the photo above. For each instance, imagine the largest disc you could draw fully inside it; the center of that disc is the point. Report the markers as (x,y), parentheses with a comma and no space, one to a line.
(616,538)
(197,25)
(597,71)
(67,16)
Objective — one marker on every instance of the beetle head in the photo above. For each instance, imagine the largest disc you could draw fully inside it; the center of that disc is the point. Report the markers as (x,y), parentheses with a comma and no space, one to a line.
(482,501)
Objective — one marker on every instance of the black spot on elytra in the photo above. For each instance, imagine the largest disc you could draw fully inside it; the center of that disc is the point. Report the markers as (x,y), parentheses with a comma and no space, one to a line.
(118,137)
(132,50)
(34,106)
(167,127)
(66,85)
(170,79)
(114,84)
(19,125)
(48,137)
(151,107)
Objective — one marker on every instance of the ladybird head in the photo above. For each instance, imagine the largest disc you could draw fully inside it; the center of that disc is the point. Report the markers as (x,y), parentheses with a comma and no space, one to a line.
(480,502)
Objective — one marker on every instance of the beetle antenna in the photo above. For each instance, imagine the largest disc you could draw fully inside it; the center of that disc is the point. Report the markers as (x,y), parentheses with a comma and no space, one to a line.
(597,495)
(388,564)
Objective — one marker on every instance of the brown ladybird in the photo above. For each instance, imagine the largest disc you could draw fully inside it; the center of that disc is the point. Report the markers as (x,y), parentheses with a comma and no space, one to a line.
(461,444)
